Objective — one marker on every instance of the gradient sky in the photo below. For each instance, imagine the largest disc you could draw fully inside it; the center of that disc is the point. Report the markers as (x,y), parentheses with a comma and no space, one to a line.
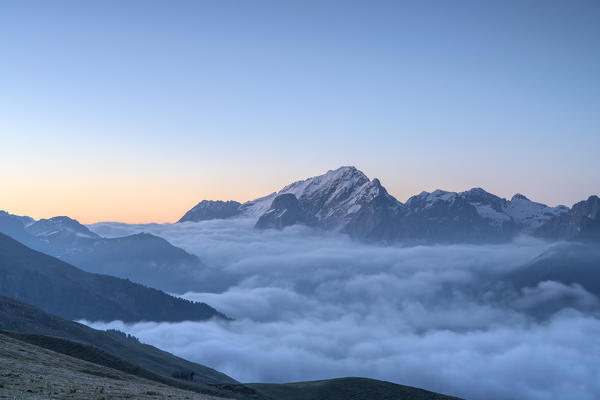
(135,111)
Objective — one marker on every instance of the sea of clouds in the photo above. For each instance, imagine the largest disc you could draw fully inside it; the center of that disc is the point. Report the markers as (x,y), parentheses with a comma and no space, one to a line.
(312,305)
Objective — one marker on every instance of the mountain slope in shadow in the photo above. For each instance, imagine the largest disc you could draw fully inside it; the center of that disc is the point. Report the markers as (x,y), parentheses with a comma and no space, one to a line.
(141,257)
(62,289)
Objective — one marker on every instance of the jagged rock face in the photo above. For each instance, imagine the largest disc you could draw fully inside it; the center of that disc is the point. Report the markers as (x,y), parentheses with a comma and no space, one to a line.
(284,211)
(445,217)
(339,199)
(530,215)
(374,215)
(342,200)
(474,216)
(581,222)
(209,209)
(333,192)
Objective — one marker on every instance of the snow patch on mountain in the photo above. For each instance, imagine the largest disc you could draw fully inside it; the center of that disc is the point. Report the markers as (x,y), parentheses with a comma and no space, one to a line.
(255,208)
(531,214)
(497,211)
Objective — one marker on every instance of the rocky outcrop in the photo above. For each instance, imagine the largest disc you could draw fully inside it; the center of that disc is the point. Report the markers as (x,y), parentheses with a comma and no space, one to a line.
(209,209)
(285,210)
(582,222)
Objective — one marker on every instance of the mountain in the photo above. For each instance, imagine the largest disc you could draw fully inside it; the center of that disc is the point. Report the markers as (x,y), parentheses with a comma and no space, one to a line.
(568,263)
(65,290)
(209,209)
(143,258)
(36,372)
(347,201)
(343,200)
(472,216)
(19,317)
(582,222)
(566,276)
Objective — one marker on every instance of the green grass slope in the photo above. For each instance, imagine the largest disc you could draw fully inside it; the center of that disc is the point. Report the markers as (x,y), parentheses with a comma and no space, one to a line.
(20,317)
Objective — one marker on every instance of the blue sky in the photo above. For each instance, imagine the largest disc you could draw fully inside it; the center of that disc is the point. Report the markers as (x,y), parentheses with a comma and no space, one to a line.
(107,105)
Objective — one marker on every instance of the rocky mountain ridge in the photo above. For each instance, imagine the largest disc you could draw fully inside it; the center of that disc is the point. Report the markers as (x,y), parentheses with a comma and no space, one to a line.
(347,201)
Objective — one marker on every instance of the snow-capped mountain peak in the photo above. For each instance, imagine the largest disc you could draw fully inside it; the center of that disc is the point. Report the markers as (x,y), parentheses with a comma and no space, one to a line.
(321,193)
(335,200)
(318,193)
(520,212)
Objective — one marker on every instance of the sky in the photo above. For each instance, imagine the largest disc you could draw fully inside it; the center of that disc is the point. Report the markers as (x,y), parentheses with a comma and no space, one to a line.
(135,111)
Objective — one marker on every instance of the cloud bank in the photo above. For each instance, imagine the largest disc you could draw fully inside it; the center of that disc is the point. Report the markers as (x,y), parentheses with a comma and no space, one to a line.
(311,305)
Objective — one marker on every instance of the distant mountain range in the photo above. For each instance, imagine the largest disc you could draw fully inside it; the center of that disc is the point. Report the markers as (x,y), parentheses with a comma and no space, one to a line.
(64,290)
(346,200)
(142,258)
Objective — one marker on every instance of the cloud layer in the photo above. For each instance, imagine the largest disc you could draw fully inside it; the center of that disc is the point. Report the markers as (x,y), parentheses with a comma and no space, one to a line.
(310,305)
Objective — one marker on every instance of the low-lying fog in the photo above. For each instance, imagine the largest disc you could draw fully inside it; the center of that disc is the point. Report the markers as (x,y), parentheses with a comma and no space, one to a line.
(309,305)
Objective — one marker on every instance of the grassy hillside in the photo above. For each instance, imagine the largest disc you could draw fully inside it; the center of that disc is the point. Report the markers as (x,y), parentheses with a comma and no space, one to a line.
(62,289)
(19,317)
(32,372)
(97,356)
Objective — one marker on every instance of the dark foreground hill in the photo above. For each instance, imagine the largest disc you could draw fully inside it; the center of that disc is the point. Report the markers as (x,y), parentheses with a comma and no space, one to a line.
(62,289)
(345,389)
(92,354)
(19,317)
(31,372)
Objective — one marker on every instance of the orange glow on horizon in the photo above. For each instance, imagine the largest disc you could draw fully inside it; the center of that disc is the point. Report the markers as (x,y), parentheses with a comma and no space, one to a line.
(130,202)
(163,197)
